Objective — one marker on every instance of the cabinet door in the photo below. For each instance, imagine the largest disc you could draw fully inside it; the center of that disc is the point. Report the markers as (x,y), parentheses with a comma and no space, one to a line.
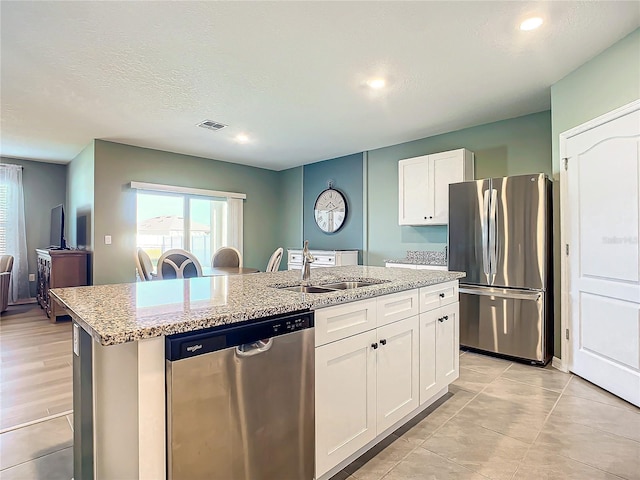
(428,381)
(415,197)
(345,399)
(444,168)
(439,350)
(447,345)
(397,371)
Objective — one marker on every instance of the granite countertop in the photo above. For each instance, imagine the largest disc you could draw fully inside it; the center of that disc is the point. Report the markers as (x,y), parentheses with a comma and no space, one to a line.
(422,258)
(114,314)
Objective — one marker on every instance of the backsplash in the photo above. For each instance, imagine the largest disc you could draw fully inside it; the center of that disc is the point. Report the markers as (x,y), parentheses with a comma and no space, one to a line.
(427,257)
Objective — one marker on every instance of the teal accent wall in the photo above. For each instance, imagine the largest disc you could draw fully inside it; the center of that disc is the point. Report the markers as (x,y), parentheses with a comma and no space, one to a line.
(606,82)
(80,203)
(289,213)
(45,186)
(116,165)
(510,147)
(346,175)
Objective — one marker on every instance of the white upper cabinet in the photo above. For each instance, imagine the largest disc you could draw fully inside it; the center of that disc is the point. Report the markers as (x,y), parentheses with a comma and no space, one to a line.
(423,188)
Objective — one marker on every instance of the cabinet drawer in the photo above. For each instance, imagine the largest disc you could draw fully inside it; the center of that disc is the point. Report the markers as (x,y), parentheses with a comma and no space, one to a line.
(432,267)
(409,266)
(397,306)
(324,259)
(295,258)
(341,321)
(439,295)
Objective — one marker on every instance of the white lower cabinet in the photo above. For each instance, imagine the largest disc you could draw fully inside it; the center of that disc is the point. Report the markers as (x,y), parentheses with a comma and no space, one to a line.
(345,398)
(367,382)
(364,385)
(439,349)
(397,363)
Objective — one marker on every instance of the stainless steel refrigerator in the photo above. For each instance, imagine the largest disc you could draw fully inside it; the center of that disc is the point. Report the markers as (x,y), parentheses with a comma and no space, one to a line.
(500,235)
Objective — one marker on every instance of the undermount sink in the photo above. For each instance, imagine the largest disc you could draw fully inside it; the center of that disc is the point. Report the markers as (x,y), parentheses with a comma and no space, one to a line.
(349,285)
(306,289)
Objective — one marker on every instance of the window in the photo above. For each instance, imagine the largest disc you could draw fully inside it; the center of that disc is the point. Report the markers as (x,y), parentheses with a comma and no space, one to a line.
(199,221)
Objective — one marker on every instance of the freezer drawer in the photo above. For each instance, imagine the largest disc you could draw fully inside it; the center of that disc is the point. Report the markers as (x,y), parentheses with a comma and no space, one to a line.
(505,321)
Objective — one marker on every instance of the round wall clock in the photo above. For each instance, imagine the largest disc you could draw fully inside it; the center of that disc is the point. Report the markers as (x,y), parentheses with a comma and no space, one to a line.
(330,210)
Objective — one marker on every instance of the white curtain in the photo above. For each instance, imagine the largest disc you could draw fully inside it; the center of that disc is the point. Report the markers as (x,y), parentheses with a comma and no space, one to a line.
(12,225)
(235,220)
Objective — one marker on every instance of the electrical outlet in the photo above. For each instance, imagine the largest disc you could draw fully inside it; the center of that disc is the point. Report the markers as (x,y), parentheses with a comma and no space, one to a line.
(32,277)
(107,239)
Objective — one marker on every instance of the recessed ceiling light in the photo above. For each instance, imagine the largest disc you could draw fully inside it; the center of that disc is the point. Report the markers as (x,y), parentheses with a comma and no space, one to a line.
(242,138)
(531,23)
(376,83)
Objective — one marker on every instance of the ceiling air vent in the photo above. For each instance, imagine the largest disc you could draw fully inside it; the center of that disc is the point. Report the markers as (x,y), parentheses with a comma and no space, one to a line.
(211,125)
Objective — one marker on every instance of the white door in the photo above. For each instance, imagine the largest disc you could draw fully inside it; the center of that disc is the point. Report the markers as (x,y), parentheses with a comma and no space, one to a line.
(397,371)
(345,398)
(603,181)
(428,381)
(415,204)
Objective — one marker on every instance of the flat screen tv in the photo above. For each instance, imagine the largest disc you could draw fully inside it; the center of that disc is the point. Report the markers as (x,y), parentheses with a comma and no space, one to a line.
(56,238)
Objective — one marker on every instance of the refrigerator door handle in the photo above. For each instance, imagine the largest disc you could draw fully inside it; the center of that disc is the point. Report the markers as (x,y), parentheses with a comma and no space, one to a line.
(502,292)
(493,246)
(484,220)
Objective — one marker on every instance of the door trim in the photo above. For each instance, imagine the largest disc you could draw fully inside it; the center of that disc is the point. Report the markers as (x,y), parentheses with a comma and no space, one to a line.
(566,360)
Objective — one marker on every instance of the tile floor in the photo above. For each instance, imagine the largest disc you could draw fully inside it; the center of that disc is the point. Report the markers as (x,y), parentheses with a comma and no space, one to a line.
(508,421)
(501,420)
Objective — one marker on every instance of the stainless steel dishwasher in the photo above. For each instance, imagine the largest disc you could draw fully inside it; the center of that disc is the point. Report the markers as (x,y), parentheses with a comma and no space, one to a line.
(240,401)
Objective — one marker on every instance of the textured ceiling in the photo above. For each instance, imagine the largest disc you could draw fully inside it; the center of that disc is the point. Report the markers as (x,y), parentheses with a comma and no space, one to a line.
(289,74)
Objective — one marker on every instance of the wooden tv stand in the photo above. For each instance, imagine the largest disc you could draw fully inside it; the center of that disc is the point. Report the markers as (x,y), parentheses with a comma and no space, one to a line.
(56,269)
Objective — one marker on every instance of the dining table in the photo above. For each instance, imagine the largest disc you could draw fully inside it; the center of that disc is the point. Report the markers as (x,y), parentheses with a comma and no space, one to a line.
(215,271)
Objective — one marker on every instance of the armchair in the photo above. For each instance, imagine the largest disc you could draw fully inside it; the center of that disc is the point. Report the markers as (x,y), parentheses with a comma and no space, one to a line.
(6,264)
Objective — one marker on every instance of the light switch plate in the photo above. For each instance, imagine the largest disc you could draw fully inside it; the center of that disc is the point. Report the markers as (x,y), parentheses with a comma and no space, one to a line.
(107,239)
(32,277)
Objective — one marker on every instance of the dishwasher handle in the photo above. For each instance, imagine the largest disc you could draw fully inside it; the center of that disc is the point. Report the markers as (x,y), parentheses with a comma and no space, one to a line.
(254,348)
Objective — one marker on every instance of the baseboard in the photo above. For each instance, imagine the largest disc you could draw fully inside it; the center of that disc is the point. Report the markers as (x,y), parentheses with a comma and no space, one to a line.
(558,364)
(24,301)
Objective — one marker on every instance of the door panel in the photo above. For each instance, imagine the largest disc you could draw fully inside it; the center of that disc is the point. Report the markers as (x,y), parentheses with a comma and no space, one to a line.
(345,399)
(492,319)
(446,168)
(397,371)
(521,231)
(415,204)
(428,385)
(465,229)
(603,185)
(447,345)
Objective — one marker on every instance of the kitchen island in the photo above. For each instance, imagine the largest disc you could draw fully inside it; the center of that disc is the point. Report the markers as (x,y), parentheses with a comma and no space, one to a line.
(119,346)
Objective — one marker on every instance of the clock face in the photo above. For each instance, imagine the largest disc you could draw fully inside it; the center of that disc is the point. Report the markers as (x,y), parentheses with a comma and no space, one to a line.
(330,210)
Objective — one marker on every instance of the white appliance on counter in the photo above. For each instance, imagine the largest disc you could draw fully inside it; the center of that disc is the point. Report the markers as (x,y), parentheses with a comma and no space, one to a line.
(322,258)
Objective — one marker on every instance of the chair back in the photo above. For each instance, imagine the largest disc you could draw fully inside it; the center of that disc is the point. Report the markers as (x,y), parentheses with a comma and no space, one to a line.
(6,263)
(227,257)
(274,261)
(178,264)
(144,265)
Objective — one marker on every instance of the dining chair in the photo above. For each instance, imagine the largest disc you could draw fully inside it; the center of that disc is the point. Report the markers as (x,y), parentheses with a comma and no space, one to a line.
(144,265)
(6,264)
(178,263)
(227,257)
(274,261)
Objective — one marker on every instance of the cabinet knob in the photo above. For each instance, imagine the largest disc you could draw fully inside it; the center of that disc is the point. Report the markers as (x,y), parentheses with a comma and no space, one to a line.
(374,346)
(442,295)
(441,319)
(425,218)
(446,317)
(430,218)
(383,342)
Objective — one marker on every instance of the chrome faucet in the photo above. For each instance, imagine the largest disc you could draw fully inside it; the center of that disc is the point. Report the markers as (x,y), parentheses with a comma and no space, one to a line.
(307,260)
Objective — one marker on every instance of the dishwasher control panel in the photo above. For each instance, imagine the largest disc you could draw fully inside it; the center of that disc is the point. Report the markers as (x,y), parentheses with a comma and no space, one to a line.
(199,342)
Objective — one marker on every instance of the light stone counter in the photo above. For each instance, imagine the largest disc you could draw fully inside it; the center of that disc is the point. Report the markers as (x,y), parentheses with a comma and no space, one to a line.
(115,314)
